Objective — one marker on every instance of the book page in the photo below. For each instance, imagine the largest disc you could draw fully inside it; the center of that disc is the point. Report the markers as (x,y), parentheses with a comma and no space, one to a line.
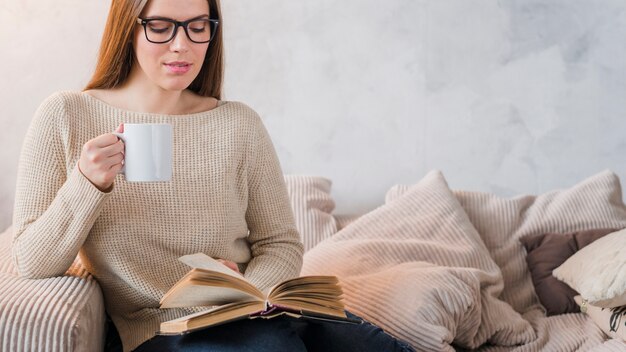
(203,261)
(208,283)
(309,297)
(320,294)
(191,294)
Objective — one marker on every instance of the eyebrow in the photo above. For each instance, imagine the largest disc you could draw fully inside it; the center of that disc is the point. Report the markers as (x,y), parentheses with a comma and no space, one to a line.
(168,18)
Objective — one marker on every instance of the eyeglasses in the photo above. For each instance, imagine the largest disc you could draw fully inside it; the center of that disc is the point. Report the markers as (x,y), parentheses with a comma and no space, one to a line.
(162,30)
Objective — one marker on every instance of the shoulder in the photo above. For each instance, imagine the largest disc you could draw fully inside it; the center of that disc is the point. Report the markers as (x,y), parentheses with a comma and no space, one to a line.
(57,110)
(240,108)
(55,101)
(60,101)
(242,113)
(247,122)
(51,109)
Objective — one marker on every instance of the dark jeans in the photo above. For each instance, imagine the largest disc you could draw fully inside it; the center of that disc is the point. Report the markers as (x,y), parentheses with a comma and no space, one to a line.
(275,335)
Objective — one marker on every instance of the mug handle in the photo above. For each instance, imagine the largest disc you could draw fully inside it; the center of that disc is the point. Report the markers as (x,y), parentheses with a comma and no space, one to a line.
(121,136)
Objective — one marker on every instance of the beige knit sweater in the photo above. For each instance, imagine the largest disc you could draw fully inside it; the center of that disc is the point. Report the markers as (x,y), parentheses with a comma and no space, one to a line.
(227,198)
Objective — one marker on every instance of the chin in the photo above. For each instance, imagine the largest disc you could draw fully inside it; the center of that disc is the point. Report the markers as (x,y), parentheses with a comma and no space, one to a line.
(175,86)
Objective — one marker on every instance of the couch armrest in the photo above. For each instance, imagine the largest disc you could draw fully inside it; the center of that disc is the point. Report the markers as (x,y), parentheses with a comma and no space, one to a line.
(63,313)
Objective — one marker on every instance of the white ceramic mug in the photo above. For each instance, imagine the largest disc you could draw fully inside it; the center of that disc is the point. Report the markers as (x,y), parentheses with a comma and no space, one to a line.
(148,152)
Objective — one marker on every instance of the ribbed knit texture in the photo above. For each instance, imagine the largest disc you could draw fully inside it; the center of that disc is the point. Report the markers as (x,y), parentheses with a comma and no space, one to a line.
(50,329)
(593,203)
(312,207)
(344,220)
(227,199)
(418,268)
(59,314)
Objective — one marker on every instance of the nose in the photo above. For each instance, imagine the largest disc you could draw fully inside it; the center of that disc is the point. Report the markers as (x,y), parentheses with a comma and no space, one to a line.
(180,43)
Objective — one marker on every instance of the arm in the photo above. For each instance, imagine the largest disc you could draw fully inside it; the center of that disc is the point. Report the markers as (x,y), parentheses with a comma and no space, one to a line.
(274,240)
(53,212)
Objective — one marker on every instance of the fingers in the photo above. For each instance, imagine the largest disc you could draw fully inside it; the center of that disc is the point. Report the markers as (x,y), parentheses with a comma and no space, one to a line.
(114,160)
(107,139)
(113,149)
(115,169)
(103,140)
(102,158)
(229,264)
(105,157)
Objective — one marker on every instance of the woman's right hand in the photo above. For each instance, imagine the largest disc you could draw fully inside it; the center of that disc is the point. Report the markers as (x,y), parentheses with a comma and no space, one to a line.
(102,158)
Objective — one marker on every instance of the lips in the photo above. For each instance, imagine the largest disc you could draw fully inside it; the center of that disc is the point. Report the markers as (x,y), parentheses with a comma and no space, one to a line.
(178,67)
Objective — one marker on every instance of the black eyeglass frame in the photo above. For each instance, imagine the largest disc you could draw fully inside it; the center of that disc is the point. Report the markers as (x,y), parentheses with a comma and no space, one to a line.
(214,23)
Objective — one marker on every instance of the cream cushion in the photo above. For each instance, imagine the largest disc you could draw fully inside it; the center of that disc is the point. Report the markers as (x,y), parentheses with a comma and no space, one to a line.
(598,271)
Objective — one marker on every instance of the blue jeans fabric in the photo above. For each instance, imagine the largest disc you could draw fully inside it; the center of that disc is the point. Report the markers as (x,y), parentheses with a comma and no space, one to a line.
(277,334)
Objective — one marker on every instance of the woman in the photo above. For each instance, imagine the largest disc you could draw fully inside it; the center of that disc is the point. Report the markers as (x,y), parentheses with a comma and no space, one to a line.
(161,62)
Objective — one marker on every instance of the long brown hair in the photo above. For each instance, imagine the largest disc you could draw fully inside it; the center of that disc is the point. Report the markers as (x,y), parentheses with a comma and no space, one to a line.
(115,59)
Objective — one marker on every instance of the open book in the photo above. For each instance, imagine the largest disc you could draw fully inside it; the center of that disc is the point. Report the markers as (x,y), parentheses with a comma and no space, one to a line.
(210,283)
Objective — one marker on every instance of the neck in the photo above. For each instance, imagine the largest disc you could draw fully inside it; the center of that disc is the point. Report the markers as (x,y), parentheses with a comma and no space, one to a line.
(150,98)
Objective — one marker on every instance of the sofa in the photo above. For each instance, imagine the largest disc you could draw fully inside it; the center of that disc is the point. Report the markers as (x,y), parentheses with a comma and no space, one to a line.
(441,269)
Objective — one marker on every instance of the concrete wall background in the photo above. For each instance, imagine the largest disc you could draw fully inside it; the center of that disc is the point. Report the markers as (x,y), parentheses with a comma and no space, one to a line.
(505,96)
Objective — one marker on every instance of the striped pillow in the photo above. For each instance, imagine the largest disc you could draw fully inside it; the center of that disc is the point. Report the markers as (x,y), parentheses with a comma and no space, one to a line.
(417,268)
(312,207)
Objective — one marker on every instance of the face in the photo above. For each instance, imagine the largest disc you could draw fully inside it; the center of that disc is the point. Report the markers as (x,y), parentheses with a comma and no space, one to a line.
(173,65)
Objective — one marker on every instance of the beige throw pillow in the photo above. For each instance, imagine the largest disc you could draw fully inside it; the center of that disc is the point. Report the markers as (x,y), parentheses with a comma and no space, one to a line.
(598,271)
(312,207)
(418,268)
(593,203)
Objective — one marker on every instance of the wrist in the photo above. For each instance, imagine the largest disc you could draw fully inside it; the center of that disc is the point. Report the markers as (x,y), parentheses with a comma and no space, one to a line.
(105,189)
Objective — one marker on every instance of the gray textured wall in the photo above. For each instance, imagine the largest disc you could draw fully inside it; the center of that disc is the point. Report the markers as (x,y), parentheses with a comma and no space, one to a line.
(503,96)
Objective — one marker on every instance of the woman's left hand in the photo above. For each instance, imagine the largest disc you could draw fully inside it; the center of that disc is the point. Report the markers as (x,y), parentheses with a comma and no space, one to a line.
(231,265)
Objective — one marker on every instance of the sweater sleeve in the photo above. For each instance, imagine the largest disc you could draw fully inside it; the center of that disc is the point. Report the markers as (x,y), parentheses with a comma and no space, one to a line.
(53,211)
(274,240)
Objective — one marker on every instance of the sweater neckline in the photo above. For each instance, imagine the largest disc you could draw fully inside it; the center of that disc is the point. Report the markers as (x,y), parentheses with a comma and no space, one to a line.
(220,104)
